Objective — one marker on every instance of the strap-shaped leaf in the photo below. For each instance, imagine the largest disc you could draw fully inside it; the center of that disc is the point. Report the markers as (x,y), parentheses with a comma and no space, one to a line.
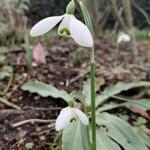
(104,142)
(86,92)
(45,90)
(118,88)
(142,103)
(121,132)
(75,137)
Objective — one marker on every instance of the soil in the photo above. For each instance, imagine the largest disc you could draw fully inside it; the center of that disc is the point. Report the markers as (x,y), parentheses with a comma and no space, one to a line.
(62,72)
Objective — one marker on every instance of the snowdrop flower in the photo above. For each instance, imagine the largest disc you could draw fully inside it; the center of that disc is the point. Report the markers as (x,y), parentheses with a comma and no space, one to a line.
(38,54)
(123,37)
(67,115)
(70,26)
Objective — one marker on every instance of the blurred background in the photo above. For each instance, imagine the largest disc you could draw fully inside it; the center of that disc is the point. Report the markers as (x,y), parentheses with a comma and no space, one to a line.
(109,17)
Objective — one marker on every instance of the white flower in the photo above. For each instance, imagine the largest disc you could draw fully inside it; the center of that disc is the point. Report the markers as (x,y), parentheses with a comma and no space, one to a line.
(123,37)
(69,26)
(66,115)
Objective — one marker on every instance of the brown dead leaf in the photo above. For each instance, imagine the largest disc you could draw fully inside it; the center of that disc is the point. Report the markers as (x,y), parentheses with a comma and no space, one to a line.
(139,111)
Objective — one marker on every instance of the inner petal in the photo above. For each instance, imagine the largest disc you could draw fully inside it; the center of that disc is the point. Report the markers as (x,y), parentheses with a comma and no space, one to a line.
(73,120)
(65,32)
(63,29)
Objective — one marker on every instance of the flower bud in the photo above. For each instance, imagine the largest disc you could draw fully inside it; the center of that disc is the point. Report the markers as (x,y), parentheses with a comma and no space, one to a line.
(70,9)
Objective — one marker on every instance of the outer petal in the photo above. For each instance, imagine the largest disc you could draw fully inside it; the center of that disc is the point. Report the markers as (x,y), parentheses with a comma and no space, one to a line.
(123,38)
(45,25)
(80,33)
(64,26)
(64,118)
(83,118)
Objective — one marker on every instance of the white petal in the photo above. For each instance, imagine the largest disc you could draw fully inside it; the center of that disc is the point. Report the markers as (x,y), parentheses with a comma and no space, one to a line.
(64,118)
(123,38)
(45,25)
(80,33)
(65,25)
(83,118)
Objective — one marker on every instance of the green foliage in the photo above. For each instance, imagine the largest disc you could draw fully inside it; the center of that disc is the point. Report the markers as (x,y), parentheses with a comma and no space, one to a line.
(143,136)
(86,92)
(103,140)
(112,131)
(142,34)
(75,137)
(120,132)
(5,72)
(45,90)
(29,53)
(141,103)
(29,146)
(112,134)
(118,88)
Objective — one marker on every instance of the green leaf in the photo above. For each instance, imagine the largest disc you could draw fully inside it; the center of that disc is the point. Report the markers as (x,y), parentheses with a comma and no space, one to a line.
(118,88)
(109,106)
(104,142)
(4,75)
(144,137)
(79,96)
(142,103)
(120,131)
(75,137)
(2,58)
(86,92)
(29,53)
(5,72)
(45,90)
(29,146)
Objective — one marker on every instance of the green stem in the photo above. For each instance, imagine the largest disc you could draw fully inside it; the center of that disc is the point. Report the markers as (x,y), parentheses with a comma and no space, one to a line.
(88,22)
(93,116)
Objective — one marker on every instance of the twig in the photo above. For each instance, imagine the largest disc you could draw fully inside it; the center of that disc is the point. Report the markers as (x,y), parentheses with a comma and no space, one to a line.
(41,109)
(117,23)
(10,111)
(117,15)
(6,112)
(18,86)
(6,102)
(141,11)
(11,51)
(31,121)
(45,131)
(78,77)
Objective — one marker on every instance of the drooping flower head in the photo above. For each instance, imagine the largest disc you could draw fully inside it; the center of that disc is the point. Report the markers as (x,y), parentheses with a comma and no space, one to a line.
(38,54)
(123,37)
(67,115)
(70,26)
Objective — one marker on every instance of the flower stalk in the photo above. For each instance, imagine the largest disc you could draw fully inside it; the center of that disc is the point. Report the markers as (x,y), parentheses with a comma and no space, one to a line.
(88,22)
(93,116)
(71,27)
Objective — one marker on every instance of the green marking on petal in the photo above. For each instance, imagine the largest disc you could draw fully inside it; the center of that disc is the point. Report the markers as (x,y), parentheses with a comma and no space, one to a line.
(65,32)
(73,120)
